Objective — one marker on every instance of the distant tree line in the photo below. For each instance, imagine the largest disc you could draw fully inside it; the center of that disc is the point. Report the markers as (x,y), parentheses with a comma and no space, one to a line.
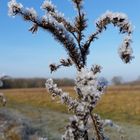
(118,80)
(135,82)
(33,83)
(40,82)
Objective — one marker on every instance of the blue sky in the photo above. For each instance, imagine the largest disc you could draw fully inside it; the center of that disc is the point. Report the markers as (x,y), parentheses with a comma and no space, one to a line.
(23,54)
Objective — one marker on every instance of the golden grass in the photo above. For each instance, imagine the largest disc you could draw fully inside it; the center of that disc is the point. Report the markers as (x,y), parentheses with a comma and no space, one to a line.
(121,103)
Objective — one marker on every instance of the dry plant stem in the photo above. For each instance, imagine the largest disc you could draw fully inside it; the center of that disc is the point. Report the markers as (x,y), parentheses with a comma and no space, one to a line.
(80,32)
(91,38)
(95,126)
(89,87)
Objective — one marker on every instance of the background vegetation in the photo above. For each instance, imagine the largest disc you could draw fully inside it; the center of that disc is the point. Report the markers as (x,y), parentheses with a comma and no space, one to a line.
(12,83)
(33,82)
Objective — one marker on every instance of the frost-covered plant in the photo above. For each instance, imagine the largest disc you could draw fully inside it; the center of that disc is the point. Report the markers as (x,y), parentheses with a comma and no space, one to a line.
(2,97)
(88,86)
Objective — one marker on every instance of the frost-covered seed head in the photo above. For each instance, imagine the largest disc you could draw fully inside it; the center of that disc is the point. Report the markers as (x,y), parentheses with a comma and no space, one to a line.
(125,51)
(118,19)
(14,7)
(31,12)
(47,5)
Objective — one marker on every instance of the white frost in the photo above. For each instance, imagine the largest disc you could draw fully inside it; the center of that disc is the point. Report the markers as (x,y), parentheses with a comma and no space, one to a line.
(14,7)
(32,12)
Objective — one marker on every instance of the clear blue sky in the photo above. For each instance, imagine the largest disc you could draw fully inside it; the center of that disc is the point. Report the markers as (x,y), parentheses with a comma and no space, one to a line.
(25,55)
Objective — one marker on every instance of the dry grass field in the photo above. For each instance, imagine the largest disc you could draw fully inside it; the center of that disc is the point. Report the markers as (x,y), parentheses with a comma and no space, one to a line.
(119,103)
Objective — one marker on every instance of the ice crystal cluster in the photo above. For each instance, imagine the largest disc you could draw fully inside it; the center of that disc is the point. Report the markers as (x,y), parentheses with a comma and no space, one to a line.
(88,87)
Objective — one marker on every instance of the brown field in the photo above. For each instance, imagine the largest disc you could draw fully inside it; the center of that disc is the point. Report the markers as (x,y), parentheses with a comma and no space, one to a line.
(120,103)
(49,117)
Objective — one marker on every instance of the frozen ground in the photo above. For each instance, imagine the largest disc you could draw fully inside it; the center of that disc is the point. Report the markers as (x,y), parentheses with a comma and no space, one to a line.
(51,124)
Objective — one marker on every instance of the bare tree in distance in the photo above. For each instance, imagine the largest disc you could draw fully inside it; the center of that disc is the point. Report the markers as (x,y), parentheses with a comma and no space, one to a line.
(70,35)
(138,79)
(117,80)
